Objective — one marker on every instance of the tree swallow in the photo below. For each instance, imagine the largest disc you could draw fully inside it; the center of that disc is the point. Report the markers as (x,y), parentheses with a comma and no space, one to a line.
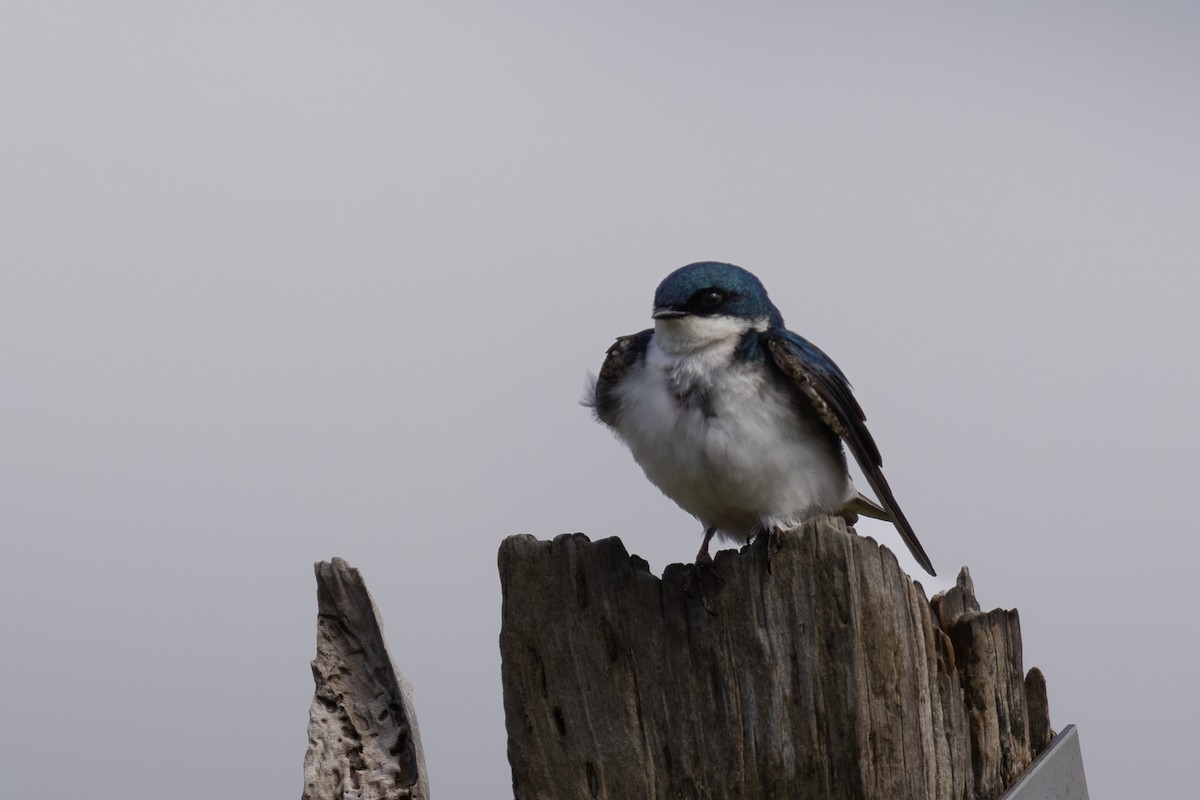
(734,417)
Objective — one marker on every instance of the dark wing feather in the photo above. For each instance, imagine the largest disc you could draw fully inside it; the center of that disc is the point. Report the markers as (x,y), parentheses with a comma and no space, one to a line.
(819,381)
(625,354)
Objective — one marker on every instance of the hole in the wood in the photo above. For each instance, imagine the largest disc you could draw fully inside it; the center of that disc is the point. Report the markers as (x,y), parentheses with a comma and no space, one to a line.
(593,780)
(559,722)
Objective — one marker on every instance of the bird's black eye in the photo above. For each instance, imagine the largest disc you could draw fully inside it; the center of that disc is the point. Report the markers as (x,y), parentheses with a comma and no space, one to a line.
(709,299)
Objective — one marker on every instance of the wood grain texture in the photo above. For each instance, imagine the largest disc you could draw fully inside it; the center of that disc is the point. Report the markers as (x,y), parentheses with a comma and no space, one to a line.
(819,672)
(363,741)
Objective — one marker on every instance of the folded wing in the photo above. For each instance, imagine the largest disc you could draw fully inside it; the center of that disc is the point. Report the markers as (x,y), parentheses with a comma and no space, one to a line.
(819,382)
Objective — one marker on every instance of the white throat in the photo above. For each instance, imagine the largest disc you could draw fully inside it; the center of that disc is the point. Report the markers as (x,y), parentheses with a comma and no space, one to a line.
(687,335)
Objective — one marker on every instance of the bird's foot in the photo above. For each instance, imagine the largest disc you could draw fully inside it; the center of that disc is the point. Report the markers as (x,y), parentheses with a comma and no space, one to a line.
(770,543)
(703,557)
(704,582)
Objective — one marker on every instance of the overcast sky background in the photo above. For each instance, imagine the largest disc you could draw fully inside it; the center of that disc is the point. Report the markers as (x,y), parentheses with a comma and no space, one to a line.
(283,281)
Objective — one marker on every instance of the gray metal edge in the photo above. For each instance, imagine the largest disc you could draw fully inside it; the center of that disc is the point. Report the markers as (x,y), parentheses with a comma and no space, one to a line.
(1056,774)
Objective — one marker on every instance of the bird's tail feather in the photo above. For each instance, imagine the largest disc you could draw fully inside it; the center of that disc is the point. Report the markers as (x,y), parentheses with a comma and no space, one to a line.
(866,507)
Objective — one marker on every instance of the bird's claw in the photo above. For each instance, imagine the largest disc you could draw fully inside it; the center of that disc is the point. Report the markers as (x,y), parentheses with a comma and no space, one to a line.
(704,582)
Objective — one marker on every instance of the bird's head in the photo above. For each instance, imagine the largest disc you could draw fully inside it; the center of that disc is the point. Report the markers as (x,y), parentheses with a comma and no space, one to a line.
(712,289)
(710,303)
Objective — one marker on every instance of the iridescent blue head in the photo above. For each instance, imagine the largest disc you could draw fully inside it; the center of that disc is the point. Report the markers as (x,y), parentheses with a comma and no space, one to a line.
(713,289)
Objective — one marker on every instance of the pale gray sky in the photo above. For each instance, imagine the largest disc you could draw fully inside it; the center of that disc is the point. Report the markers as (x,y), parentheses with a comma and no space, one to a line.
(283,281)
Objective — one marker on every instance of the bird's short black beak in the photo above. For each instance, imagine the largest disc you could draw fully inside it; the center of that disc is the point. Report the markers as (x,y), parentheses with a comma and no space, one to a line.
(668,313)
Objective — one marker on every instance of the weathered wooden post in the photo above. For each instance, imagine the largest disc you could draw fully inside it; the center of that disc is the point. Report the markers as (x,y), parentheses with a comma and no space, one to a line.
(819,672)
(363,741)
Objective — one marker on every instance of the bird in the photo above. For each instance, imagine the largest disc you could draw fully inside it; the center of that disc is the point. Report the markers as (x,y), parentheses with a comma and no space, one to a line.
(740,421)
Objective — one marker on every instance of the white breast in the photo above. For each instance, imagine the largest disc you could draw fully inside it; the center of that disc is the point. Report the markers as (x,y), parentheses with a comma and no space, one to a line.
(722,438)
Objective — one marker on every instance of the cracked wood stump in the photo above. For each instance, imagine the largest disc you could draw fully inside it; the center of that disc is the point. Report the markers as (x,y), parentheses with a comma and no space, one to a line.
(362,732)
(824,673)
